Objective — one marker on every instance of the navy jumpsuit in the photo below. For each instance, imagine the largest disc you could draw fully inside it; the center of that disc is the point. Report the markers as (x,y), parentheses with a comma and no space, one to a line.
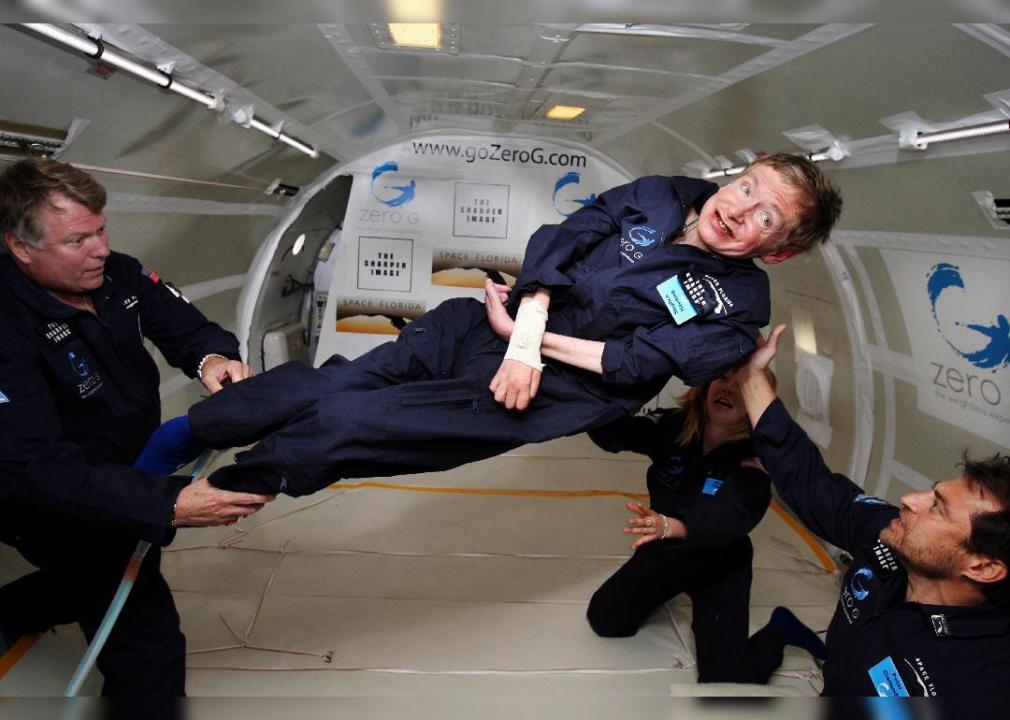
(78,400)
(877,643)
(720,497)
(422,403)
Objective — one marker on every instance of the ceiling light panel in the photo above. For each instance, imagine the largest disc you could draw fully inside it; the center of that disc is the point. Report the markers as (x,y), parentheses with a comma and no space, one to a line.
(564,112)
(417,37)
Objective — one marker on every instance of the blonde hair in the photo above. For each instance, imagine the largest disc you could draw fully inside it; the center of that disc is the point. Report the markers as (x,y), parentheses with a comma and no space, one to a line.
(692,404)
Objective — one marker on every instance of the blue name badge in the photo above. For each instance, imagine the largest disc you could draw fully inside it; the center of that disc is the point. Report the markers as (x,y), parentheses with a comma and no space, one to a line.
(712,486)
(676,300)
(886,680)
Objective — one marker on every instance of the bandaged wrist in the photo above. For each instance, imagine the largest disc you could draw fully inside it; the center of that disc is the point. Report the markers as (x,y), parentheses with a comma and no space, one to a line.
(528,333)
(206,358)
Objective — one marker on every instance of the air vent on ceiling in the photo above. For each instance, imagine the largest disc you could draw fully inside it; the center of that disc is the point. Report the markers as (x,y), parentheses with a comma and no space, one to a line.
(18,140)
(282,189)
(996,210)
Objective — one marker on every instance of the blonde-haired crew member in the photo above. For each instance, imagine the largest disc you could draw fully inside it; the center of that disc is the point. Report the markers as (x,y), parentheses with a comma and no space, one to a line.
(707,490)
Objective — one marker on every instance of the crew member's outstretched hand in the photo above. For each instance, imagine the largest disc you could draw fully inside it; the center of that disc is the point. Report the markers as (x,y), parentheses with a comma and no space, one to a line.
(495,297)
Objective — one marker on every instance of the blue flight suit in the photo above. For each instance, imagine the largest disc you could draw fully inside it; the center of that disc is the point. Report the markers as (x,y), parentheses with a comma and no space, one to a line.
(878,644)
(78,399)
(720,497)
(422,403)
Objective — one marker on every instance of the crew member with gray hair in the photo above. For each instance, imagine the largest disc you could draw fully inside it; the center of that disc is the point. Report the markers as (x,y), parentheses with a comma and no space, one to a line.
(78,400)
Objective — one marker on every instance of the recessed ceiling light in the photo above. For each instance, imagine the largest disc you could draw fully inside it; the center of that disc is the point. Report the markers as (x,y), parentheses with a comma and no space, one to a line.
(416,35)
(564,112)
(299,244)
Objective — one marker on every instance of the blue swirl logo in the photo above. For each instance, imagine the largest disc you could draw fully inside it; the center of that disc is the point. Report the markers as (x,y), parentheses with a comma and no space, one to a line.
(565,190)
(78,364)
(994,337)
(642,235)
(391,195)
(856,584)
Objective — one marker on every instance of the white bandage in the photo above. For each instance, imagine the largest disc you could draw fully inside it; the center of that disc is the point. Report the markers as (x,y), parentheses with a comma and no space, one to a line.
(528,333)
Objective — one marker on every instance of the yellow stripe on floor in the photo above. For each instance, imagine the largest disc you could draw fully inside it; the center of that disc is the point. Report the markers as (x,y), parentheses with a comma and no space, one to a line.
(815,546)
(489,491)
(10,658)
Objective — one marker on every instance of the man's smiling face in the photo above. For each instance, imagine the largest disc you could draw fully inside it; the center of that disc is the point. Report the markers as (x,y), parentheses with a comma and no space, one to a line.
(751,216)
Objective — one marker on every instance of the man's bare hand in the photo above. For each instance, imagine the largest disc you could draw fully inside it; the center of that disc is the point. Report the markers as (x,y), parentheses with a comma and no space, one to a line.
(495,297)
(515,385)
(201,504)
(761,358)
(219,371)
(755,384)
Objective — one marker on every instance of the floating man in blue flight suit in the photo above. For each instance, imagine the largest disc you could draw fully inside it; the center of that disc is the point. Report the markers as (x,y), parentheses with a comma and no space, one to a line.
(652,279)
(924,608)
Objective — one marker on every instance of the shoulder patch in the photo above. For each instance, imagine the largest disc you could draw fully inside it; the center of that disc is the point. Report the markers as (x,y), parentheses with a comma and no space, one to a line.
(158,280)
(150,274)
(175,291)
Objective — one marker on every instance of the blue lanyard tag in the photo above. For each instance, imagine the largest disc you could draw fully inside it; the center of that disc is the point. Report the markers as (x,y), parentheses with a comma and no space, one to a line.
(687,296)
(676,300)
(886,680)
(712,486)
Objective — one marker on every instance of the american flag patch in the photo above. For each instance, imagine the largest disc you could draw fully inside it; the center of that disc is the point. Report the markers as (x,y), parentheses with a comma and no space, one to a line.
(150,274)
(753,462)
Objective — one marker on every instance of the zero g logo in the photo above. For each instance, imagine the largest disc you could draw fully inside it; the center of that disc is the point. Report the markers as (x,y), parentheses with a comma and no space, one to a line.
(859,591)
(91,381)
(78,364)
(642,235)
(985,344)
(566,192)
(854,592)
(387,193)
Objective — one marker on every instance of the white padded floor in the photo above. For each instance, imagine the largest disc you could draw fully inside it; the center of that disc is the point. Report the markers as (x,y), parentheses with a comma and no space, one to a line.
(372,591)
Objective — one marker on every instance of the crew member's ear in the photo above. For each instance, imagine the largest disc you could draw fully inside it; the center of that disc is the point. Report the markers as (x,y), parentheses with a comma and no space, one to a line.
(17,248)
(984,569)
(780,255)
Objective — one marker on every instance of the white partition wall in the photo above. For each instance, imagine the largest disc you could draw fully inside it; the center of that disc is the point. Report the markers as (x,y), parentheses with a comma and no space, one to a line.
(430,218)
